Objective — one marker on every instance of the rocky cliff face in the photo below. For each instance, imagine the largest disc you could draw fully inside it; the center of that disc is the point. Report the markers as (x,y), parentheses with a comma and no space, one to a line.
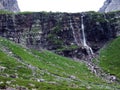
(110,5)
(9,5)
(52,31)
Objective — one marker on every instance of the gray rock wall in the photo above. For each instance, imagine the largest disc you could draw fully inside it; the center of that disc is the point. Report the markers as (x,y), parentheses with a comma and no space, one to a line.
(52,31)
(9,5)
(110,5)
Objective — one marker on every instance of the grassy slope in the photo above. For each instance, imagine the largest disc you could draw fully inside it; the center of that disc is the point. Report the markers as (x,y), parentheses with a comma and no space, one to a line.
(110,57)
(54,69)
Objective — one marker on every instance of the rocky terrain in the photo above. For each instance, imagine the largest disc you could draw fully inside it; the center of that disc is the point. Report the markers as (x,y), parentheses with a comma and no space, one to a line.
(59,51)
(110,5)
(9,5)
(22,68)
(52,31)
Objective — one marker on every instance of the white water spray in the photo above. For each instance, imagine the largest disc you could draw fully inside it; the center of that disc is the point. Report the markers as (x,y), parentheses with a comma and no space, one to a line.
(80,38)
(88,48)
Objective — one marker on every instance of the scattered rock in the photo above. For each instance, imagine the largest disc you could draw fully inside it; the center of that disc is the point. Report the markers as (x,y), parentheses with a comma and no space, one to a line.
(34,89)
(13,76)
(52,82)
(2,68)
(10,88)
(89,87)
(112,78)
(10,52)
(21,88)
(31,85)
(72,77)
(40,80)
(1,82)
(8,82)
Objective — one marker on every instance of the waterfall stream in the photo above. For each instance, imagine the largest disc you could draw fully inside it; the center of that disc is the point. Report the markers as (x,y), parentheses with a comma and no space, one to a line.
(88,48)
(76,37)
(80,38)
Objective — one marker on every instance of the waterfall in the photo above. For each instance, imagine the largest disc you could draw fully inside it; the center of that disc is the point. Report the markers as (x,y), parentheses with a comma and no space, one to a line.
(88,48)
(83,33)
(80,38)
(76,34)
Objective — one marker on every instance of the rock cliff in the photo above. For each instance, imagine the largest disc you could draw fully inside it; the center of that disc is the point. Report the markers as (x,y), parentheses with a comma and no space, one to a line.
(9,5)
(110,5)
(52,31)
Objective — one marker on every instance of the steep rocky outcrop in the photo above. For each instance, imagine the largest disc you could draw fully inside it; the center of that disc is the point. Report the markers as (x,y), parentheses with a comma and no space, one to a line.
(52,31)
(9,5)
(110,5)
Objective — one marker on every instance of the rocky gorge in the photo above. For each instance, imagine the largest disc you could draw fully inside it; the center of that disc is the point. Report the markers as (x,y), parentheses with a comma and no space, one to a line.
(52,31)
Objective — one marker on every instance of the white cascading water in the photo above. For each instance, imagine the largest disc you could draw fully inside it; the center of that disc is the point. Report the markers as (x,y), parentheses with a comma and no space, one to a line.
(77,36)
(74,34)
(88,48)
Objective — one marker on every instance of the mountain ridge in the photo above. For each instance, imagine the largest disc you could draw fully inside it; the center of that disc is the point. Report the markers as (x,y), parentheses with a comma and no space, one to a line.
(110,5)
(9,5)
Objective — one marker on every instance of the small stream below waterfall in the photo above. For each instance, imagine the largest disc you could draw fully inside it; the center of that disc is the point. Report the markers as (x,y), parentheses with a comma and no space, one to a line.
(80,39)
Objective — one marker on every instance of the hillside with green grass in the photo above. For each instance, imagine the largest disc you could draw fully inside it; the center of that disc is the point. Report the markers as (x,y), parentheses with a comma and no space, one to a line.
(110,57)
(43,70)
